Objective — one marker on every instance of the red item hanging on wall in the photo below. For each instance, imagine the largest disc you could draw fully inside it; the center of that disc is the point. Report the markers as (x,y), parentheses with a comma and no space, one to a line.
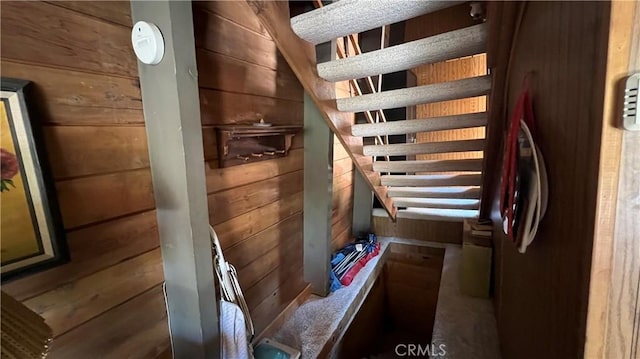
(508,191)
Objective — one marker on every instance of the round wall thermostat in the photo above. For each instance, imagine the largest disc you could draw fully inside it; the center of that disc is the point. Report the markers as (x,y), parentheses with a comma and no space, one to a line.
(148,43)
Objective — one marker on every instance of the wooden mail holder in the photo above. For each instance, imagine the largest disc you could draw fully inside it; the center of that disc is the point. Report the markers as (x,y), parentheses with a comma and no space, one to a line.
(241,144)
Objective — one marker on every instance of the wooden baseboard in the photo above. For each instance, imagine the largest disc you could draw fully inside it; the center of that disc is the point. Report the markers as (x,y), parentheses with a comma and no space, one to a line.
(271,329)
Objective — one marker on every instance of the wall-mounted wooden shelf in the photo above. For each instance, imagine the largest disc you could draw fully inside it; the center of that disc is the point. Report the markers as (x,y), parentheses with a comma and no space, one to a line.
(240,144)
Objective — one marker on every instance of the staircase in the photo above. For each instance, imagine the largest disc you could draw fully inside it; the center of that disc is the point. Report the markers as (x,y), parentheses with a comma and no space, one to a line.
(419,189)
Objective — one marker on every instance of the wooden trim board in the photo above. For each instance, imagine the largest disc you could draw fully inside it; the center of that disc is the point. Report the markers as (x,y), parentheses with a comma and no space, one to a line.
(613,294)
(301,57)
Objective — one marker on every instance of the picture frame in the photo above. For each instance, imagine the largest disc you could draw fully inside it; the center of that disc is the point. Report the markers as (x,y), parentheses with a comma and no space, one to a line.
(32,236)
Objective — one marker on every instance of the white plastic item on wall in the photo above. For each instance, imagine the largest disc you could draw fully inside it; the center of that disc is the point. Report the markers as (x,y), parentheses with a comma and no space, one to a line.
(148,43)
(538,193)
(630,118)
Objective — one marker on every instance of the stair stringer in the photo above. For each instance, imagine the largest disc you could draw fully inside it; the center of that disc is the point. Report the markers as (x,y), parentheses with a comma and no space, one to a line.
(300,55)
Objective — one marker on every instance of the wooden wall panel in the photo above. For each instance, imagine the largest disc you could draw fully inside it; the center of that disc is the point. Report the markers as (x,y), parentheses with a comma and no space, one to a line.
(256,208)
(87,95)
(449,19)
(342,209)
(446,20)
(564,45)
(92,249)
(450,71)
(54,36)
(98,292)
(78,55)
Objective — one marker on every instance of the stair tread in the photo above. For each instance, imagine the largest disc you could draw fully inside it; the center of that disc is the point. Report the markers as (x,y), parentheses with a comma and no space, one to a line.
(454,44)
(402,127)
(467,192)
(454,215)
(424,148)
(431,180)
(444,91)
(466,165)
(347,17)
(440,203)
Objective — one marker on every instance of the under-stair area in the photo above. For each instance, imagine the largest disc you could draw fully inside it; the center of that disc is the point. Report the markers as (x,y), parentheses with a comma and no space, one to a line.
(426,172)
(441,189)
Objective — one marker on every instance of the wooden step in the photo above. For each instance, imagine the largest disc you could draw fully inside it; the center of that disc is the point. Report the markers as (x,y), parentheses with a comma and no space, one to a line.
(443,203)
(466,192)
(401,149)
(438,214)
(469,165)
(431,180)
(449,45)
(477,119)
(445,91)
(347,17)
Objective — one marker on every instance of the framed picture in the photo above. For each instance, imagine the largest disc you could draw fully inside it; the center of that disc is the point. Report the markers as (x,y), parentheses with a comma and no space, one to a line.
(31,231)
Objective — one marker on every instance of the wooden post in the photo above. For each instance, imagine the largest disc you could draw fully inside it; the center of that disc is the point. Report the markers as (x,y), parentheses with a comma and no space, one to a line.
(362,205)
(174,132)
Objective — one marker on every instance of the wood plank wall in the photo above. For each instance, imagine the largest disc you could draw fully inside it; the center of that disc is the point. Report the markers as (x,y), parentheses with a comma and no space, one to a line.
(107,301)
(256,208)
(429,25)
(541,296)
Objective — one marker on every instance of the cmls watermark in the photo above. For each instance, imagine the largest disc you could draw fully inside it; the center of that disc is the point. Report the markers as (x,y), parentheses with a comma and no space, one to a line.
(421,350)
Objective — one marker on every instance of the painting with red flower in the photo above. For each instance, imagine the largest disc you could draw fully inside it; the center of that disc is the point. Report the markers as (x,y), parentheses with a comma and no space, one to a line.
(8,169)
(30,226)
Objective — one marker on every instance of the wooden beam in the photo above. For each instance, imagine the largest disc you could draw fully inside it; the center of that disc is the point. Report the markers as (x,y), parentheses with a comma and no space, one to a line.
(318,193)
(613,319)
(274,16)
(174,132)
